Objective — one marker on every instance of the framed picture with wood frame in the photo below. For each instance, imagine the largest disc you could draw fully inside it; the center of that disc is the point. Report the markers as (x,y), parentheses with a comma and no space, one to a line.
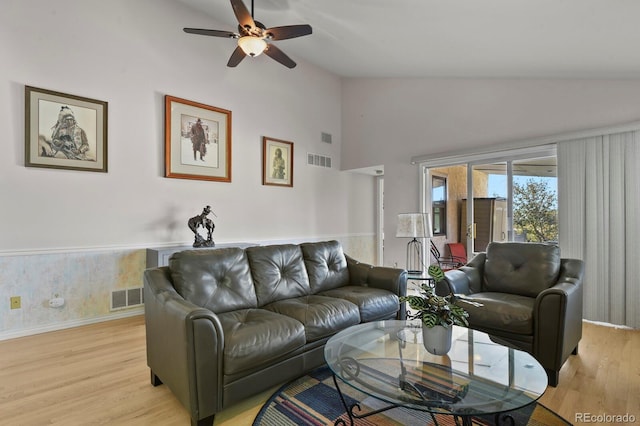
(65,131)
(277,162)
(197,141)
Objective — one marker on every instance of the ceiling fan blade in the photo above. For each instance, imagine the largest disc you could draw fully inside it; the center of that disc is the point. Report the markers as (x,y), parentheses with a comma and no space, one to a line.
(288,31)
(236,57)
(214,33)
(274,53)
(242,14)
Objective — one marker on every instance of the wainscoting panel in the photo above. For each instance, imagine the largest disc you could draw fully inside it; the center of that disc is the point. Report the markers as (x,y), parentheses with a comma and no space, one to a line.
(87,280)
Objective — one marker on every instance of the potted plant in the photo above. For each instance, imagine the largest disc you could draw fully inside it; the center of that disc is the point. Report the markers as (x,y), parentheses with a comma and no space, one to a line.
(437,313)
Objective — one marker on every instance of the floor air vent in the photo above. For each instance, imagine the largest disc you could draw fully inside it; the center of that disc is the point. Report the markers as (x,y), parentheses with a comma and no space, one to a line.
(127,298)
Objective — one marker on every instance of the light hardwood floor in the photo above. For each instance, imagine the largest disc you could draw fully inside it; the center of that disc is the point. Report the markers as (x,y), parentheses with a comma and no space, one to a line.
(97,375)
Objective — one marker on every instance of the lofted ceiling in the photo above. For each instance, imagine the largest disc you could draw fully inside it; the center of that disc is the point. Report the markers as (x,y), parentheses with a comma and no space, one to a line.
(450,38)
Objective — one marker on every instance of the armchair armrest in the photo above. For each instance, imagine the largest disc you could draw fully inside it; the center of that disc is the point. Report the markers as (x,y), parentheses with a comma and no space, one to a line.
(184,345)
(464,280)
(455,282)
(558,316)
(474,270)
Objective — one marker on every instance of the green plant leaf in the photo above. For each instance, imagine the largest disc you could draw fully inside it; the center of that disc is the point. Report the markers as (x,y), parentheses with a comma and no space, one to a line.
(430,320)
(435,310)
(436,273)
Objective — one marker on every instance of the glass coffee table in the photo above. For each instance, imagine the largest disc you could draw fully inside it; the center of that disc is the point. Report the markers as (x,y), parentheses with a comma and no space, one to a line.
(387,360)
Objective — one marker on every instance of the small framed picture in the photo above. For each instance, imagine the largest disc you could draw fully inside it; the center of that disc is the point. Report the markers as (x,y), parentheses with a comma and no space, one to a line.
(277,162)
(197,141)
(65,131)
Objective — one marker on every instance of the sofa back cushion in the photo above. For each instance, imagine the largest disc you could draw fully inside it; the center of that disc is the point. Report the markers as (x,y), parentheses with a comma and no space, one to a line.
(278,272)
(524,269)
(216,279)
(326,265)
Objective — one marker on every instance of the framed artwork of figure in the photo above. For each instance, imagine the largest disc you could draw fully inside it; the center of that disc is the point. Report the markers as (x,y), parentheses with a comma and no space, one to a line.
(197,141)
(277,162)
(65,131)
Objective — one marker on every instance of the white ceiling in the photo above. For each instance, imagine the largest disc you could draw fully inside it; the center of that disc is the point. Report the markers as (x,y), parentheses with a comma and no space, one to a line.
(451,38)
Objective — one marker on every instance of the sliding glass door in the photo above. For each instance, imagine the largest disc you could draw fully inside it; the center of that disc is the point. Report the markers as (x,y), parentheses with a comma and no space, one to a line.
(514,198)
(489,192)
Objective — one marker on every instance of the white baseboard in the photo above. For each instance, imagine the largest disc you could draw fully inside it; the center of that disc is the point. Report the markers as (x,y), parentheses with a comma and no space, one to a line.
(70,324)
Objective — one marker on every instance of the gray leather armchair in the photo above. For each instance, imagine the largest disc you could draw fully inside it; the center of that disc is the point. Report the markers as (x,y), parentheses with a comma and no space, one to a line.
(531,299)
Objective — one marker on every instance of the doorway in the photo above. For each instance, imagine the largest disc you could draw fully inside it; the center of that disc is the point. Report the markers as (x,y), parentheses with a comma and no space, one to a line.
(380,220)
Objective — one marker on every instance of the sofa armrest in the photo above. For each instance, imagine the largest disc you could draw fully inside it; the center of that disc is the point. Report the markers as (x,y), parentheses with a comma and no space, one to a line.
(558,316)
(391,279)
(364,274)
(185,345)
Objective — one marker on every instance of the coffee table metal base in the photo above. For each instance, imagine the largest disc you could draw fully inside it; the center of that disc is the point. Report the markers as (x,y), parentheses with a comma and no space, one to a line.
(350,410)
(500,418)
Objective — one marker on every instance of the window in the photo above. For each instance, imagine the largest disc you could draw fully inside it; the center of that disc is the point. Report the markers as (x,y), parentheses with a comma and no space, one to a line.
(439,205)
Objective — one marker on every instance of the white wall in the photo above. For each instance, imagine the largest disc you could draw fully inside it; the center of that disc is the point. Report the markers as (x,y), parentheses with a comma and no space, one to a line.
(388,121)
(131,54)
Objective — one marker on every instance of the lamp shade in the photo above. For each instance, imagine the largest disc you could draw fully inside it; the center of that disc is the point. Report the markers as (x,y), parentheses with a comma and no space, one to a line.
(414,225)
(252,46)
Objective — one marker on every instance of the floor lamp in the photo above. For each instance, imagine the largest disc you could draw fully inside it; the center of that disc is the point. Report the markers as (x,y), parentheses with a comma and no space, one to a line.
(414,225)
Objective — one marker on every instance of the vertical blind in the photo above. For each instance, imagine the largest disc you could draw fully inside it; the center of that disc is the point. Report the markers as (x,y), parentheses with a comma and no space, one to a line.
(599,212)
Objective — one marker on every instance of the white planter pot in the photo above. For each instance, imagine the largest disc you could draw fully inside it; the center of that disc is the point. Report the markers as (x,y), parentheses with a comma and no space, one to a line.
(437,340)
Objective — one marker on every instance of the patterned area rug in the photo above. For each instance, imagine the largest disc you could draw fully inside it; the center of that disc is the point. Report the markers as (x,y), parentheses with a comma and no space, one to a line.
(313,400)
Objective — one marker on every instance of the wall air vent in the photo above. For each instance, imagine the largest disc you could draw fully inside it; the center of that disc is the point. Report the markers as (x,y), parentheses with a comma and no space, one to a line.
(325,137)
(319,160)
(127,298)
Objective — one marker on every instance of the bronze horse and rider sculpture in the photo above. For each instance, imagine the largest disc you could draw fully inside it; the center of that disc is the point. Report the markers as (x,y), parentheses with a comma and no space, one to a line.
(202,222)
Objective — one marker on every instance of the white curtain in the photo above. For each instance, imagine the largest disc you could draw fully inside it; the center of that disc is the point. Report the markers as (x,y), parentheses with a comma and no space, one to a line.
(599,211)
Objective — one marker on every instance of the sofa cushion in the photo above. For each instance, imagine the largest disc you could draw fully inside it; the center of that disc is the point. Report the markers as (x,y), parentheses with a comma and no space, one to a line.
(523,269)
(326,265)
(216,279)
(254,337)
(373,303)
(278,272)
(500,311)
(321,316)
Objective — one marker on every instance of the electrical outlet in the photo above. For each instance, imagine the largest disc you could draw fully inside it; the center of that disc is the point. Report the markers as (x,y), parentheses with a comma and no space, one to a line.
(16,302)
(56,302)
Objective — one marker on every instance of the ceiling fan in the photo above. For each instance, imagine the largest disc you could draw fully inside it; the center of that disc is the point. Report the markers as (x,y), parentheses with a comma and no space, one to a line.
(254,38)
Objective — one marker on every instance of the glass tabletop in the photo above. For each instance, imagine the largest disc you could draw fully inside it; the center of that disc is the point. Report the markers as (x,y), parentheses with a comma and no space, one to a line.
(419,276)
(387,360)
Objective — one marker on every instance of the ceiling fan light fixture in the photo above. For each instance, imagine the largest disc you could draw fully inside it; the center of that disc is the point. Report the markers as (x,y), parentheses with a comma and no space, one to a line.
(254,38)
(251,45)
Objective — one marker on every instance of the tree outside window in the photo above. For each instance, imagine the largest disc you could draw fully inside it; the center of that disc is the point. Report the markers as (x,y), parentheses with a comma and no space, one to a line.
(535,210)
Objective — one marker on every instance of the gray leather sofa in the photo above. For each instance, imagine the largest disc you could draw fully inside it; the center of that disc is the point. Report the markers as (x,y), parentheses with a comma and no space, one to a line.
(225,324)
(531,299)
